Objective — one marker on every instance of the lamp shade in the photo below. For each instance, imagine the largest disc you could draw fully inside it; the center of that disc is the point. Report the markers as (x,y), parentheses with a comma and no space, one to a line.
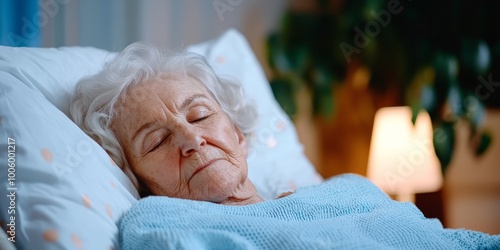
(402,160)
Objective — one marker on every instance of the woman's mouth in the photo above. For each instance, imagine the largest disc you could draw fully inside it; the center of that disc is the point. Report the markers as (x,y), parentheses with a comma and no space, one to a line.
(207,164)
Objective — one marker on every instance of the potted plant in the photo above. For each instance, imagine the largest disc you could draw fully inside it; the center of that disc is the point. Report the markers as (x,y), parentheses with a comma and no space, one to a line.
(438,55)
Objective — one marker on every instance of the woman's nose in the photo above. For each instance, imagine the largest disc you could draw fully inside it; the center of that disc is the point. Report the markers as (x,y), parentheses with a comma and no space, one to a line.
(190,140)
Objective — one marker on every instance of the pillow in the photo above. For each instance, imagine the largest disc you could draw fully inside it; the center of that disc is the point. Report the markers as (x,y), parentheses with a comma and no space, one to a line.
(69,193)
(62,189)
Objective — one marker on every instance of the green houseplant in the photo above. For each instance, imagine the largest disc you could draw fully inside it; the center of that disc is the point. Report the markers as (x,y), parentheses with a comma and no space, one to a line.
(439,55)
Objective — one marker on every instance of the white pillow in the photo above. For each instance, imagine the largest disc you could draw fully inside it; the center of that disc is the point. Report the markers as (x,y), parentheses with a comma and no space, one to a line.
(70,195)
(53,72)
(64,191)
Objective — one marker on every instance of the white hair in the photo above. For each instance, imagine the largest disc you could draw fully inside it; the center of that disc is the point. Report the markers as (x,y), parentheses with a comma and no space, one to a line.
(95,102)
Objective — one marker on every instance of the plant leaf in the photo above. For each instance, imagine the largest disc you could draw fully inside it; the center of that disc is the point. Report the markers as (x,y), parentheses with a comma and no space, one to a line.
(284,94)
(476,56)
(446,70)
(444,143)
(275,54)
(415,109)
(454,109)
(323,101)
(427,97)
(484,142)
(474,111)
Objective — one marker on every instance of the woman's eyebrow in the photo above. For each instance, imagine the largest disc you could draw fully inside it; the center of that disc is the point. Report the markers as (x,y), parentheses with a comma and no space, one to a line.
(191,99)
(143,127)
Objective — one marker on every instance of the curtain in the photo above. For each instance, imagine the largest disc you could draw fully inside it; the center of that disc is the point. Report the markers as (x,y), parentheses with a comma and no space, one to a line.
(20,23)
(114,24)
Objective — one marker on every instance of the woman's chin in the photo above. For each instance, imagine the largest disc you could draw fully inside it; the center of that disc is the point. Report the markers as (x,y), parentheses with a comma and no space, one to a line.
(215,185)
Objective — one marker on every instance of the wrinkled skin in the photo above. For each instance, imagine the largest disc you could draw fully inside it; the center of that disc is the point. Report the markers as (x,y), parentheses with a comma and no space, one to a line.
(180,143)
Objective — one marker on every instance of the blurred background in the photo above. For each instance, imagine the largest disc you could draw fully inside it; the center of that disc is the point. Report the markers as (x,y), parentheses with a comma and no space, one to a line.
(332,65)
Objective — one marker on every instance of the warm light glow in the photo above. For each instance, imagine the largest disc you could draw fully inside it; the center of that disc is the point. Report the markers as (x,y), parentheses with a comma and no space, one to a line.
(402,160)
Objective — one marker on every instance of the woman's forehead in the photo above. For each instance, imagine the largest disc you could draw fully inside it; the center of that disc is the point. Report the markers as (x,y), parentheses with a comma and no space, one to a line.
(172,85)
(173,92)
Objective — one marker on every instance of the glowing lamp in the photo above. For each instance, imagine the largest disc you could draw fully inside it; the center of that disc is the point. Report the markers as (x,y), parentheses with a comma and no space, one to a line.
(402,160)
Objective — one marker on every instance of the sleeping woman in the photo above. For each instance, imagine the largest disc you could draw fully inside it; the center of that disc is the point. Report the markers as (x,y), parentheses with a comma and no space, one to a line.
(181,133)
(173,125)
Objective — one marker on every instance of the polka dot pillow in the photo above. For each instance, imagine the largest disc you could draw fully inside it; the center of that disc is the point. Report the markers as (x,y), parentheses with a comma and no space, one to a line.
(61,189)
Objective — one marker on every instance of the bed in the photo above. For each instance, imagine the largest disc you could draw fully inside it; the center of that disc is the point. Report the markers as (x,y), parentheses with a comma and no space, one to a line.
(68,192)
(64,192)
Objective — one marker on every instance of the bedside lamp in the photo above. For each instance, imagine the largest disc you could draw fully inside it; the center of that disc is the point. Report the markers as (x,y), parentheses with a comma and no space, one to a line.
(402,160)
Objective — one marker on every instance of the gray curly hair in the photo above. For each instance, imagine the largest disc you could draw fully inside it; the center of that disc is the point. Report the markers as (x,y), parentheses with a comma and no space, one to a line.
(97,96)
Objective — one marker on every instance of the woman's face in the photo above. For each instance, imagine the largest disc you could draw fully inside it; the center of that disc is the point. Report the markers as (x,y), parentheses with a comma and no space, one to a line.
(179,141)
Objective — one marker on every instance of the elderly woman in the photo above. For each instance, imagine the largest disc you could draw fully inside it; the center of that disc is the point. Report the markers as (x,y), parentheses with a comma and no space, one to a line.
(168,120)
(184,133)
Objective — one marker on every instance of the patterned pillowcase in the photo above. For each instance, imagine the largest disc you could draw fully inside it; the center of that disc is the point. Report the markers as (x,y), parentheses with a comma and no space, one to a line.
(63,190)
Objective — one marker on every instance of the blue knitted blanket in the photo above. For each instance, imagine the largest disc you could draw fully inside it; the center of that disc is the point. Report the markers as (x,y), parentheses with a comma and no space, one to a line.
(345,212)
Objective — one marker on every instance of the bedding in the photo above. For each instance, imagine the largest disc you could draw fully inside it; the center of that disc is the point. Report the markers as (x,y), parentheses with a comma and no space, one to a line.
(66,192)
(70,194)
(345,212)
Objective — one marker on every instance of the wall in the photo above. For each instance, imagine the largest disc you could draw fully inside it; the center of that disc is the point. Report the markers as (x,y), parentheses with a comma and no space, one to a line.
(472,186)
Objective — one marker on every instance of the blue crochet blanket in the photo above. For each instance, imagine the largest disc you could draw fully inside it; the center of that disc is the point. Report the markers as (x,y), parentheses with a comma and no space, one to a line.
(345,212)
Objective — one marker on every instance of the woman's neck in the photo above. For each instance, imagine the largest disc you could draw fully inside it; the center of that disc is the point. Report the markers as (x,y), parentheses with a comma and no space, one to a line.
(245,194)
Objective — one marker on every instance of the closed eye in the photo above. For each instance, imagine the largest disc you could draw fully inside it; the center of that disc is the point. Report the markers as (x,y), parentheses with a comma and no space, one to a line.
(199,119)
(160,144)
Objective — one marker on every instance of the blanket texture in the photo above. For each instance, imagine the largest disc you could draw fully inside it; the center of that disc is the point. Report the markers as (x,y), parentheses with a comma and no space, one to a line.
(345,212)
